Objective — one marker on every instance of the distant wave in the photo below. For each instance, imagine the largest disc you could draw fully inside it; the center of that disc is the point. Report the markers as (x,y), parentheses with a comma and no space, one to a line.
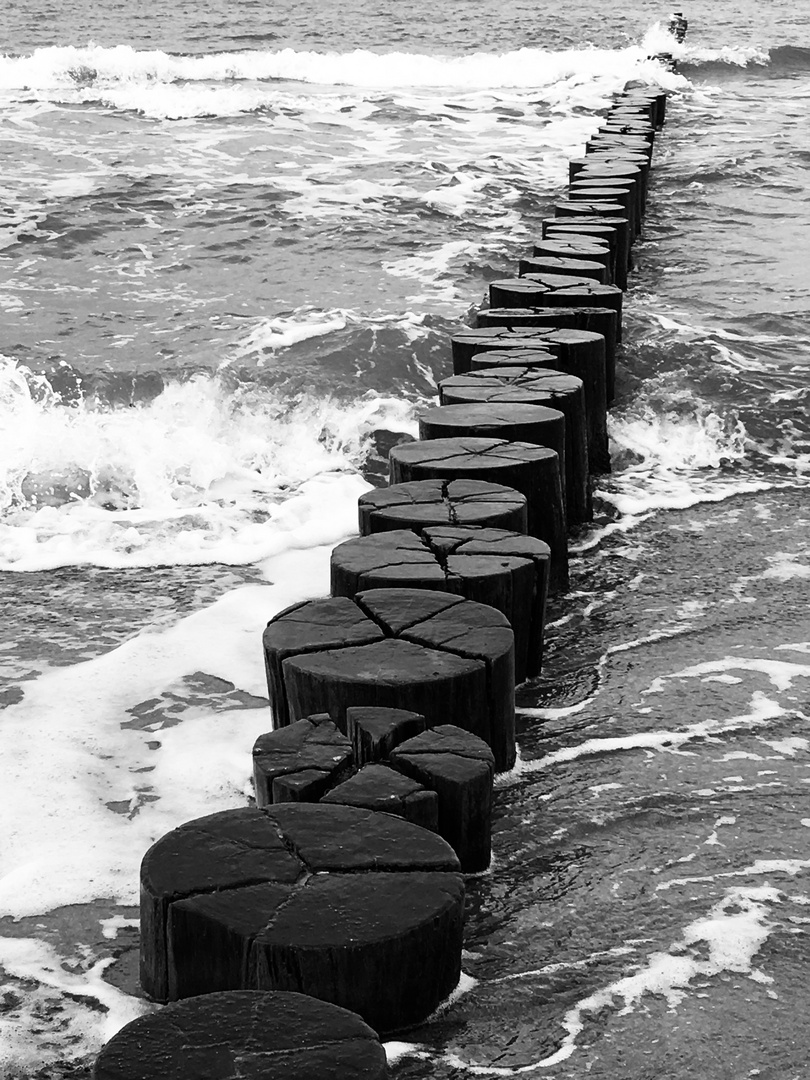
(121,66)
(735,61)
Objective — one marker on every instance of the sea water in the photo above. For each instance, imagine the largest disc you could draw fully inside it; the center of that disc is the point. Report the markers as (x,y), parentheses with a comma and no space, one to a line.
(234,244)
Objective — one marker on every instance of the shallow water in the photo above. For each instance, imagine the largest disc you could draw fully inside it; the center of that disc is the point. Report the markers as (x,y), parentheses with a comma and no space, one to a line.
(234,249)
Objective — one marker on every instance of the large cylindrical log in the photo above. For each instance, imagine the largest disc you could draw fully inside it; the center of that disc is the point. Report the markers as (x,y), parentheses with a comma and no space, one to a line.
(598,209)
(595,320)
(556,290)
(505,570)
(614,163)
(360,909)
(458,768)
(567,213)
(440,502)
(549,264)
(533,386)
(591,249)
(620,238)
(593,188)
(577,352)
(246,1033)
(436,654)
(531,469)
(597,166)
(514,421)
(465,343)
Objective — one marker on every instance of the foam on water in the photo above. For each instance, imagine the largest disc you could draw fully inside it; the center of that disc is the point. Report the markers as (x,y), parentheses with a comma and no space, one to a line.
(727,938)
(671,451)
(66,994)
(200,474)
(762,711)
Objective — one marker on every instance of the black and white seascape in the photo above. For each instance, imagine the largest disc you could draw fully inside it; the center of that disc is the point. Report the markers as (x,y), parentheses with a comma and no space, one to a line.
(235,243)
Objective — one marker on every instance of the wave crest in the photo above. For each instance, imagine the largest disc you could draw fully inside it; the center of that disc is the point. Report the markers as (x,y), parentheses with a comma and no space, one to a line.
(198,474)
(104,68)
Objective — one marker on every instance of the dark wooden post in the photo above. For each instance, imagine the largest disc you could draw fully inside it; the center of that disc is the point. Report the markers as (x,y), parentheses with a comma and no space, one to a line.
(441,502)
(578,353)
(432,653)
(530,469)
(536,386)
(261,1032)
(514,421)
(309,898)
(594,320)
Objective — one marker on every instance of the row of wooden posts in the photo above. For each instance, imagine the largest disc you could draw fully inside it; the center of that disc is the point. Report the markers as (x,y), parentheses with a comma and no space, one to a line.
(393,699)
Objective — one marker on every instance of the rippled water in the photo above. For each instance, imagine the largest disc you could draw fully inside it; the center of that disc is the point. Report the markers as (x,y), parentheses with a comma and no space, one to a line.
(234,248)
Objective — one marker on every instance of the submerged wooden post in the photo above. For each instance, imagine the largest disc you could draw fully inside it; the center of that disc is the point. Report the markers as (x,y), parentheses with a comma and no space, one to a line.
(552,264)
(246,1033)
(536,386)
(594,320)
(582,248)
(578,353)
(531,469)
(422,503)
(459,768)
(505,570)
(515,421)
(306,898)
(615,229)
(446,658)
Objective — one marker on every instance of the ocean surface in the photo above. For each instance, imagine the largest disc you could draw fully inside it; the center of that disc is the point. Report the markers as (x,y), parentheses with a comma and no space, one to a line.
(234,241)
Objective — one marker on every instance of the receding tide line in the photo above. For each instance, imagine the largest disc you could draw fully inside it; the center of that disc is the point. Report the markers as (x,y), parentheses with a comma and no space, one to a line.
(763,710)
(732,932)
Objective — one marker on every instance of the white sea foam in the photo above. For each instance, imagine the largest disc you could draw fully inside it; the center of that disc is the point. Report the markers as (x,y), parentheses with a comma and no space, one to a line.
(432,270)
(784,566)
(198,475)
(669,457)
(780,673)
(280,332)
(97,67)
(762,711)
(89,1010)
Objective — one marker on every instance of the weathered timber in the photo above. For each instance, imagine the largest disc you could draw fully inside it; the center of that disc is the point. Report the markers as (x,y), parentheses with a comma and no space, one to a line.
(556,290)
(597,209)
(597,188)
(594,320)
(360,909)
(550,264)
(615,163)
(578,352)
(459,768)
(248,1033)
(605,163)
(300,762)
(382,789)
(622,237)
(432,653)
(506,570)
(441,502)
(374,732)
(515,421)
(589,249)
(531,469)
(536,386)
